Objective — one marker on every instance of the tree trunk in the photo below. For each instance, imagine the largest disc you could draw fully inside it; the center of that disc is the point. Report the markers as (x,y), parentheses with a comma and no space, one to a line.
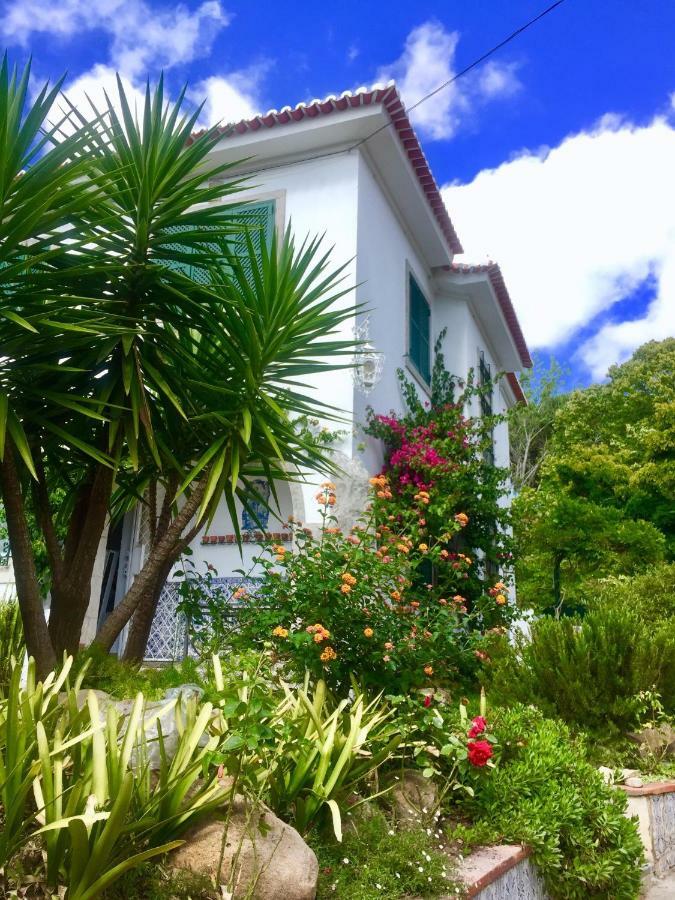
(141,623)
(164,552)
(27,586)
(557,589)
(72,592)
(69,607)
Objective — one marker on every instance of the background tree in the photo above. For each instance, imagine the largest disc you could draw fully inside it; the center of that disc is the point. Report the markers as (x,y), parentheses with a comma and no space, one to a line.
(531,423)
(603,502)
(142,357)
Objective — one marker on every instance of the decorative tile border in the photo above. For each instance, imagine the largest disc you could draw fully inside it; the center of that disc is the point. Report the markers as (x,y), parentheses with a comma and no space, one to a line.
(248,537)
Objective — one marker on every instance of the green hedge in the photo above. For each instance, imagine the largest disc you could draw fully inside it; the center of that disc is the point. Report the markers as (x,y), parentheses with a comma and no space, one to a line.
(546,794)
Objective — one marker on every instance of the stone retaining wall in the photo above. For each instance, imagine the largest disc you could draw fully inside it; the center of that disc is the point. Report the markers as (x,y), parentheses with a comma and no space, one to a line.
(654,806)
(501,873)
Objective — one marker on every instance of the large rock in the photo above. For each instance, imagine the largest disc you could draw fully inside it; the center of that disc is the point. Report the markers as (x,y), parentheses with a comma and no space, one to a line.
(659,741)
(414,799)
(262,857)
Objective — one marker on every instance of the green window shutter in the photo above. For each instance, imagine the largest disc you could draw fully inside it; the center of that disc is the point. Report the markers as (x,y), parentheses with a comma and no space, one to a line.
(419,325)
(256,220)
(485,381)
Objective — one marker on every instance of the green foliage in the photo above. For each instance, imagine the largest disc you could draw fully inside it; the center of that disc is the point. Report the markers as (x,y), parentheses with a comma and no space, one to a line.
(437,735)
(306,754)
(376,862)
(206,606)
(153,881)
(547,795)
(603,504)
(651,594)
(564,542)
(345,606)
(588,672)
(12,644)
(531,423)
(76,781)
(105,672)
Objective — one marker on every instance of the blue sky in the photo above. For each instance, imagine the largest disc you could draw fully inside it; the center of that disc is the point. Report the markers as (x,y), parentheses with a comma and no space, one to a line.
(556,158)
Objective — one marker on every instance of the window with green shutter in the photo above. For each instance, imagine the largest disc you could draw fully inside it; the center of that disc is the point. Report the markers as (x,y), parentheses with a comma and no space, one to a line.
(256,220)
(419,327)
(485,382)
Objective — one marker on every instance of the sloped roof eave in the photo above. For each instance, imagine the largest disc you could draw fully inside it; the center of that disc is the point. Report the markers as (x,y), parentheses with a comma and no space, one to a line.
(389,98)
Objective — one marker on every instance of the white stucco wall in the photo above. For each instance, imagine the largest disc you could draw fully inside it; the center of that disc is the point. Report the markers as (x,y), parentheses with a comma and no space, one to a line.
(386,255)
(314,198)
(342,198)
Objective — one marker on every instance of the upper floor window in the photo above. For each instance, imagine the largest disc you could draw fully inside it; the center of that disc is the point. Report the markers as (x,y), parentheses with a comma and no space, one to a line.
(485,382)
(255,219)
(419,327)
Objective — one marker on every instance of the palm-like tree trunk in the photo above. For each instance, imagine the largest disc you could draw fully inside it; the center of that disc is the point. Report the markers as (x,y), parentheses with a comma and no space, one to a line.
(27,585)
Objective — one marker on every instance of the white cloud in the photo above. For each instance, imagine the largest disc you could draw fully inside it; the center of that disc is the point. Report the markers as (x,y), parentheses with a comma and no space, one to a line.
(226,99)
(230,98)
(428,60)
(141,36)
(92,86)
(577,228)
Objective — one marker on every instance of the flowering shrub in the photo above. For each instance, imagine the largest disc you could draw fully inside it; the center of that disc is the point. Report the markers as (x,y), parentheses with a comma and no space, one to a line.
(439,489)
(343,605)
(439,739)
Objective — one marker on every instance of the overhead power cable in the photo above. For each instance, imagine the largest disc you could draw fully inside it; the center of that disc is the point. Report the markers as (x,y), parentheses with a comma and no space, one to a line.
(436,90)
(466,69)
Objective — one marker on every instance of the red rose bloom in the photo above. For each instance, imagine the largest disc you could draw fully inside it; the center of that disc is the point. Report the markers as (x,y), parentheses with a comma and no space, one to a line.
(478,726)
(427,700)
(479,752)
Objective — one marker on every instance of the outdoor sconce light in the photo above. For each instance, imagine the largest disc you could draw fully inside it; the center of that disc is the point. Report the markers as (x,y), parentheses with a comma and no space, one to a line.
(368,362)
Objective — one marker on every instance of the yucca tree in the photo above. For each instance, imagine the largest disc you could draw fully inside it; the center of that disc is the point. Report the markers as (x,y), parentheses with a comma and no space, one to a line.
(166,365)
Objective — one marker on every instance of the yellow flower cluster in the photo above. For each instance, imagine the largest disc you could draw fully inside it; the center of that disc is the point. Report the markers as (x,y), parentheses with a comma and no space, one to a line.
(498,593)
(326,496)
(423,497)
(320,633)
(368,632)
(280,632)
(328,654)
(348,582)
(279,552)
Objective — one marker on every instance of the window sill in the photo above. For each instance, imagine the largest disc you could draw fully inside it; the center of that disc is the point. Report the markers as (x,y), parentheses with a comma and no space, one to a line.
(418,377)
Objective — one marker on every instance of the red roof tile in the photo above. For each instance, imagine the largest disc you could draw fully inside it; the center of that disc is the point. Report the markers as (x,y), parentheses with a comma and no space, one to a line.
(494,273)
(390,99)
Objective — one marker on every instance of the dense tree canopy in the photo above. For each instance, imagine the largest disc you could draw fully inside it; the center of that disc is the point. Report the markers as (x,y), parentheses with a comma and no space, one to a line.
(604,503)
(143,360)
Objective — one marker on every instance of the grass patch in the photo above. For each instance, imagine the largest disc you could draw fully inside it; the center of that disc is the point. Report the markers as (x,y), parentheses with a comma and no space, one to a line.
(378,863)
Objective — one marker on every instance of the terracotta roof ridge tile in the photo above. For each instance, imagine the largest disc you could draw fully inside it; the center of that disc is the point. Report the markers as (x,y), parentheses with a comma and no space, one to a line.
(389,97)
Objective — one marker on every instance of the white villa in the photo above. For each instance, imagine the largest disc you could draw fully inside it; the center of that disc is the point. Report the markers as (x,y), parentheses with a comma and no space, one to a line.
(352,168)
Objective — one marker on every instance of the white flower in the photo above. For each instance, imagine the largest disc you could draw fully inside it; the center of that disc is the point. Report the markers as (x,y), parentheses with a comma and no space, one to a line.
(345,861)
